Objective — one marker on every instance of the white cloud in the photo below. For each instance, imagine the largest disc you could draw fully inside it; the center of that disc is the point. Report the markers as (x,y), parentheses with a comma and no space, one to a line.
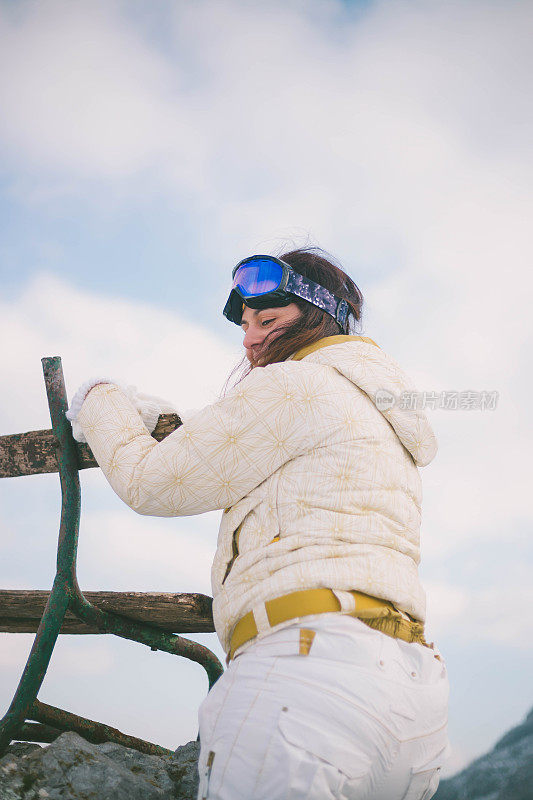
(97,335)
(17,651)
(120,551)
(277,96)
(89,656)
(445,605)
(401,136)
(501,614)
(87,96)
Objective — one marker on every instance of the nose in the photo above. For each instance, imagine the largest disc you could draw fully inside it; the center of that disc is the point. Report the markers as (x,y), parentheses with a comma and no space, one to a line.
(253,336)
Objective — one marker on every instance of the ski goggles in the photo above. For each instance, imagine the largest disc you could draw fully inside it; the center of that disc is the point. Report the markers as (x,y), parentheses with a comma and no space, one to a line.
(267,282)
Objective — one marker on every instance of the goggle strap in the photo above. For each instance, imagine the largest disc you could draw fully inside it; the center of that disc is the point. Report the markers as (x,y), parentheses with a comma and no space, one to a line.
(319,296)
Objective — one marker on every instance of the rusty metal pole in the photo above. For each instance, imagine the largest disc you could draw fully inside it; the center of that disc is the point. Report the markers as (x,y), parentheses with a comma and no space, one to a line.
(57,604)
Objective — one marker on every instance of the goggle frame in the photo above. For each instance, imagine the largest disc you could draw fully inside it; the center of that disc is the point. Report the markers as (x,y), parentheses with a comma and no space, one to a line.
(291,284)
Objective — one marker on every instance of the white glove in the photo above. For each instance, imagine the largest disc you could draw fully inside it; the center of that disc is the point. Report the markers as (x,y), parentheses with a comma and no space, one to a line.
(148,406)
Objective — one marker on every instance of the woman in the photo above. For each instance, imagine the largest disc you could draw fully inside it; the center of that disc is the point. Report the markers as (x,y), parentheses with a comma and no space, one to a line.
(331,690)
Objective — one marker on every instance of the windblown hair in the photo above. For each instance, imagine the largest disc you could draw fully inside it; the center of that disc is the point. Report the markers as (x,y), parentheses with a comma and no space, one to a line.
(314,323)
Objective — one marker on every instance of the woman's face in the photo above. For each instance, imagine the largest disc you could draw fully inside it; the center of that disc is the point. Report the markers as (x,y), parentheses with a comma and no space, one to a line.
(258,323)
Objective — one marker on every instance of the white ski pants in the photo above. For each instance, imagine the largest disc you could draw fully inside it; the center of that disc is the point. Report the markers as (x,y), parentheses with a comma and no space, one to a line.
(362,716)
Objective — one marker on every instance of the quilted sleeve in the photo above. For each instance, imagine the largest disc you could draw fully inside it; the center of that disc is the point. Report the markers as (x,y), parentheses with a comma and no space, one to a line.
(220,453)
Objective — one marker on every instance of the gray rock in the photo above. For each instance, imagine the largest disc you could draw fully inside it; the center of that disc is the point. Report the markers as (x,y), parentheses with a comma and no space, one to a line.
(73,769)
(183,769)
(23,748)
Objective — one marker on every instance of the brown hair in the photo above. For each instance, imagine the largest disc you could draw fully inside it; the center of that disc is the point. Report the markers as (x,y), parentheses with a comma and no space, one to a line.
(313,323)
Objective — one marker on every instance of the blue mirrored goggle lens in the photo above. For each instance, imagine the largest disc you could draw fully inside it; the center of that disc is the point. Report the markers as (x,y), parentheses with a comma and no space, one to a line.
(258,277)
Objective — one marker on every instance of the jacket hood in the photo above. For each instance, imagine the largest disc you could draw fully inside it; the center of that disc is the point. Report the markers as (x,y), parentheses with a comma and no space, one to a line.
(363,362)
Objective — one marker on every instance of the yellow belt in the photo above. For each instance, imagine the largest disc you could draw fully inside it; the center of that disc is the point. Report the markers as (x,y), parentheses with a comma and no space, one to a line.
(377,613)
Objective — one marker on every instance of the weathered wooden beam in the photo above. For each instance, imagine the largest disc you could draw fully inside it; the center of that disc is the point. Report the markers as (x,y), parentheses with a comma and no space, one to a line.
(21,611)
(35,452)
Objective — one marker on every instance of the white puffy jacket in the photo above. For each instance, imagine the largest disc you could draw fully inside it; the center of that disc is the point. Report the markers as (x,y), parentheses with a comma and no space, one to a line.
(314,461)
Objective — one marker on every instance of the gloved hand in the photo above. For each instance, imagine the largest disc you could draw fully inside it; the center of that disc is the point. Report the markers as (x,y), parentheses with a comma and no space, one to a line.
(149,407)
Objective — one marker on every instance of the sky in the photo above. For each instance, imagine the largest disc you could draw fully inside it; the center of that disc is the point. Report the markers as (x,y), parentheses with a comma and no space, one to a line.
(145,148)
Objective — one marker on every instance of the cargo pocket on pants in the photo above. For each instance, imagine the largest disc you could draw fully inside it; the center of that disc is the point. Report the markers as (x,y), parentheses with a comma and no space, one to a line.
(423,784)
(317,760)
